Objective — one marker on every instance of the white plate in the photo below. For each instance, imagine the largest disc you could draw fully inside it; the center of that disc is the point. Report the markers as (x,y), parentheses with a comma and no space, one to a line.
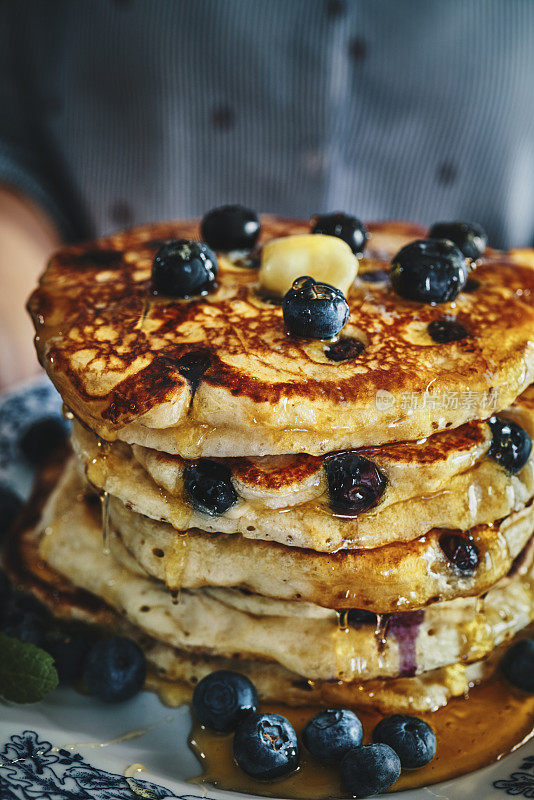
(71,747)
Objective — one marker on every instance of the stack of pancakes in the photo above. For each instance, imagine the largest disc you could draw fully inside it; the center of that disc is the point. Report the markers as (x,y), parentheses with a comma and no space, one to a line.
(401,605)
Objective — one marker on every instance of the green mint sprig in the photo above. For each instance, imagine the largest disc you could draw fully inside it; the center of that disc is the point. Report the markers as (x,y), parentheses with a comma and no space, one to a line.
(27,673)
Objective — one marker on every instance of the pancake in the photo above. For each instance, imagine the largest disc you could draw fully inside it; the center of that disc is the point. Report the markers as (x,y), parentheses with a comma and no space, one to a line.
(402,576)
(219,376)
(173,673)
(302,637)
(481,494)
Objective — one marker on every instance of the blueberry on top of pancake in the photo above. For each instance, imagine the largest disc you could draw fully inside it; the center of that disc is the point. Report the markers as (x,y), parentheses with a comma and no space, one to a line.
(229,228)
(470,237)
(429,271)
(345,227)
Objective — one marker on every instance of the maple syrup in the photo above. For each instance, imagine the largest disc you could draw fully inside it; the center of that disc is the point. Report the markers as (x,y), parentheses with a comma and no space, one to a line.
(472,732)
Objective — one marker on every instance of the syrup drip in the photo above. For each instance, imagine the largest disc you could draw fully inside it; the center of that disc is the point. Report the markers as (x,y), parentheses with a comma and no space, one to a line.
(493,721)
(380,637)
(175,563)
(104,499)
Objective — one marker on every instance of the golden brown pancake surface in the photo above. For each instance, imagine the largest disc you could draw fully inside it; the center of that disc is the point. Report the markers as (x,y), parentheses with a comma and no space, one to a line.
(122,358)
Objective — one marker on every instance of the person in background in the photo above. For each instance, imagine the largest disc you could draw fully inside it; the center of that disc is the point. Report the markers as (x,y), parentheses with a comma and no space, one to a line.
(116,112)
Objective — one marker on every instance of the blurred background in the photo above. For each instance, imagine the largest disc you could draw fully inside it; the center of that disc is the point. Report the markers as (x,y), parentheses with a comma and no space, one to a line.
(116,112)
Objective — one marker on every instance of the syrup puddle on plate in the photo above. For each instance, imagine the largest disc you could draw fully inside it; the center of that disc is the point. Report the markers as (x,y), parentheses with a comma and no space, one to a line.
(472,733)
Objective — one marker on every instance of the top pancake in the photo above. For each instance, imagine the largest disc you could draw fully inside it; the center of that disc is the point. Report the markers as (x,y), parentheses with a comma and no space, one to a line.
(122,358)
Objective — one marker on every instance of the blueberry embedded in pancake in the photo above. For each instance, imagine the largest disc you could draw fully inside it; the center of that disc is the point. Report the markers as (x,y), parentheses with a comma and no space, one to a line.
(355,484)
(511,445)
(461,551)
(208,485)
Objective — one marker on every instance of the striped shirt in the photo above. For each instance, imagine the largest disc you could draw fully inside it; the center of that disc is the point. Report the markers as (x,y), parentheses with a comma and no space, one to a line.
(116,112)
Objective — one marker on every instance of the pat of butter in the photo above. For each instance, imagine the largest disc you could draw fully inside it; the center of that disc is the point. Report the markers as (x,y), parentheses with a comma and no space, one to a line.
(327,259)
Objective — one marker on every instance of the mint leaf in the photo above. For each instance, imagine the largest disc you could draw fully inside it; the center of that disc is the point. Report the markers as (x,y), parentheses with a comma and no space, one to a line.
(27,673)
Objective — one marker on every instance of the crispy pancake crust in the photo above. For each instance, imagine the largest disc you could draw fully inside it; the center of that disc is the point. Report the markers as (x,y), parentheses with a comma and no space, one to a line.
(115,352)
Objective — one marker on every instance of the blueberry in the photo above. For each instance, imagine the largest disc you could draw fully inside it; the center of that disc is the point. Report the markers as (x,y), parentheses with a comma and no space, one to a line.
(222,698)
(24,618)
(230,228)
(345,227)
(10,505)
(182,268)
(69,649)
(446,330)
(42,438)
(429,271)
(369,770)
(314,310)
(468,236)
(460,551)
(265,746)
(355,484)
(332,733)
(411,738)
(510,444)
(471,285)
(518,665)
(208,485)
(22,624)
(114,669)
(344,349)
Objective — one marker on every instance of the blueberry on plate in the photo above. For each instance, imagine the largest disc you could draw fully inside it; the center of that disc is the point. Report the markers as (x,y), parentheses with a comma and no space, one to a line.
(68,648)
(10,505)
(446,330)
(265,746)
(355,483)
(411,738)
(183,268)
(314,310)
(510,444)
(345,227)
(332,733)
(42,438)
(230,228)
(369,769)
(208,486)
(114,669)
(460,551)
(222,698)
(468,236)
(429,271)
(518,665)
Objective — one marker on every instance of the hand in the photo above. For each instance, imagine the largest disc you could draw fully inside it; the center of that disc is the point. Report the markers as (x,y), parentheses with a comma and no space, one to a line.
(27,238)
